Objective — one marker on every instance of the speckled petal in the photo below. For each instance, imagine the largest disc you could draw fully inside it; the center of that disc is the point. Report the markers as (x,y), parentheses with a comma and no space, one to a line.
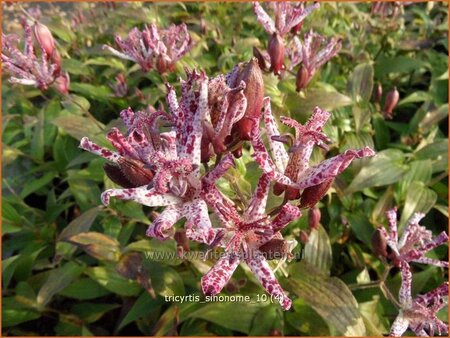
(266,277)
(330,168)
(280,155)
(404,295)
(391,216)
(399,326)
(264,19)
(121,144)
(110,155)
(198,225)
(219,275)
(161,227)
(219,170)
(140,195)
(256,208)
(286,215)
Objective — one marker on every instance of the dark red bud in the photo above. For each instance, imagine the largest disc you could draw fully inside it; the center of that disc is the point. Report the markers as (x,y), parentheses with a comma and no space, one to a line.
(276,52)
(128,173)
(62,83)
(278,188)
(245,126)
(378,93)
(291,194)
(302,78)
(379,244)
(237,153)
(314,194)
(391,101)
(314,216)
(261,60)
(44,38)
(161,64)
(296,28)
(254,88)
(181,239)
(304,237)
(274,249)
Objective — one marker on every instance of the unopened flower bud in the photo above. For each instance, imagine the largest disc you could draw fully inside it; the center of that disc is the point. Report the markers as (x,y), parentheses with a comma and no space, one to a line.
(391,101)
(379,244)
(254,93)
(302,78)
(304,237)
(378,92)
(181,239)
(296,28)
(314,216)
(276,52)
(261,60)
(312,195)
(128,173)
(62,83)
(44,38)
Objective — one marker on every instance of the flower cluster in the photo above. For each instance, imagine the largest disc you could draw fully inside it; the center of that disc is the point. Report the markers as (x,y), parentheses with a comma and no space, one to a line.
(158,163)
(154,48)
(418,314)
(26,67)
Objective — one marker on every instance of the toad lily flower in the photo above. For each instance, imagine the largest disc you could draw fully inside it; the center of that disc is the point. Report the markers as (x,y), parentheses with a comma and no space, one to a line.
(288,16)
(27,68)
(419,314)
(414,243)
(291,169)
(246,238)
(154,48)
(163,169)
(312,54)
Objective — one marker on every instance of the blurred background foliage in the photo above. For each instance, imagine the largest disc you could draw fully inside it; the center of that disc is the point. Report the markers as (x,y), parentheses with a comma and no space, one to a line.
(73,267)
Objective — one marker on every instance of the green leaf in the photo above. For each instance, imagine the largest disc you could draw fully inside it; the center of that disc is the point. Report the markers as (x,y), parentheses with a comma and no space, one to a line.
(97,245)
(329,297)
(84,289)
(432,118)
(436,151)
(143,306)
(233,316)
(371,312)
(37,143)
(360,85)
(265,320)
(106,61)
(107,277)
(36,184)
(80,224)
(398,64)
(57,280)
(418,96)
(166,322)
(100,93)
(165,280)
(419,198)
(317,251)
(311,323)
(418,171)
(12,317)
(91,312)
(78,126)
(325,98)
(386,167)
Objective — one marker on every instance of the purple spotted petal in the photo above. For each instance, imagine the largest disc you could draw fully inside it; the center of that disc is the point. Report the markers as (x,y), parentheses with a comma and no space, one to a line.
(257,206)
(161,228)
(110,155)
(141,195)
(266,277)
(263,18)
(219,275)
(198,225)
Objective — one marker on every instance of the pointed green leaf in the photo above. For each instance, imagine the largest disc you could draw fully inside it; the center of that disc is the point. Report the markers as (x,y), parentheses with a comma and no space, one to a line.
(419,198)
(317,250)
(329,296)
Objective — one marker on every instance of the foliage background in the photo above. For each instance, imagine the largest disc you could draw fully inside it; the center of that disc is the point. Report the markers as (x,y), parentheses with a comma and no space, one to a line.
(58,282)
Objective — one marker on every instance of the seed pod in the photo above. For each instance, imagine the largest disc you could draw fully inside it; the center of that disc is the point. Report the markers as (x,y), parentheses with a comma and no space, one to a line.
(312,195)
(276,52)
(314,216)
(44,38)
(302,78)
(391,101)
(379,244)
(378,93)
